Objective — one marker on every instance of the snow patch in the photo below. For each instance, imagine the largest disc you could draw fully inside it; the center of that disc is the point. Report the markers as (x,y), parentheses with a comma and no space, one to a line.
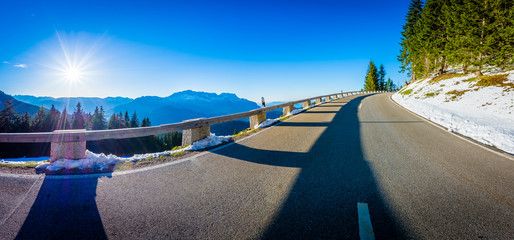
(15,161)
(484,114)
(101,161)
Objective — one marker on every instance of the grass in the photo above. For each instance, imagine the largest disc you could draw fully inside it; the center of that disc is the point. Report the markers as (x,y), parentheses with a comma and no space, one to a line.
(456,94)
(406,92)
(499,80)
(431,94)
(445,76)
(25,165)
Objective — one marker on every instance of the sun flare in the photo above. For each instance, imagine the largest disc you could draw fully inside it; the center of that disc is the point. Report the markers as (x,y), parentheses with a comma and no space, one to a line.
(73,74)
(75,58)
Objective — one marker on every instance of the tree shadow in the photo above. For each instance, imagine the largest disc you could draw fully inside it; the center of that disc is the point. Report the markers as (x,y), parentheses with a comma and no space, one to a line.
(64,209)
(334,177)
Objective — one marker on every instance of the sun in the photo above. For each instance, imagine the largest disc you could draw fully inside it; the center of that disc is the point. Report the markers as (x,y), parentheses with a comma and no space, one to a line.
(73,74)
(74,58)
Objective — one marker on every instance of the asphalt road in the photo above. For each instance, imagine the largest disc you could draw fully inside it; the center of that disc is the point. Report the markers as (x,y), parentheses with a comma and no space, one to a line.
(301,179)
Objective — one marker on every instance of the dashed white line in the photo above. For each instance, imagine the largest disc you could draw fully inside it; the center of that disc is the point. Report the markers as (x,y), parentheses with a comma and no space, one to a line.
(365,228)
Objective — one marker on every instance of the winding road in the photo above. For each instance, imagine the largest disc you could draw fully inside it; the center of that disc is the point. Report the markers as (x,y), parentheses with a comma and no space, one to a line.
(313,176)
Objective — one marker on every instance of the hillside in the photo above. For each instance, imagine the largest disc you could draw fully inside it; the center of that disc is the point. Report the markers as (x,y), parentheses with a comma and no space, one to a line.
(18,106)
(88,103)
(480,108)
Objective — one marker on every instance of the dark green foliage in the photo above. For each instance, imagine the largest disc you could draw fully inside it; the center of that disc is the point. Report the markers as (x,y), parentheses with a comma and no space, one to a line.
(375,79)
(38,121)
(381,78)
(170,140)
(78,118)
(97,120)
(408,53)
(126,120)
(457,33)
(390,86)
(371,81)
(134,122)
(8,118)
(146,122)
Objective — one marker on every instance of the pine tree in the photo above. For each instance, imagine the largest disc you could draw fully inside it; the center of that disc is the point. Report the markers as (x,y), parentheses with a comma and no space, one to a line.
(500,41)
(146,122)
(38,120)
(371,81)
(24,125)
(433,34)
(64,121)
(134,122)
(409,45)
(388,85)
(127,120)
(113,122)
(54,116)
(7,118)
(78,118)
(381,78)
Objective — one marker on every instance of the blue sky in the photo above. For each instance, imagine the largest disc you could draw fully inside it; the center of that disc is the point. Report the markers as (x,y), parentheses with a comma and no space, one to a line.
(282,50)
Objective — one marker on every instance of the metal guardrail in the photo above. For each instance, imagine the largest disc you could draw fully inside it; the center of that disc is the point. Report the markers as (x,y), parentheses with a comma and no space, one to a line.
(63,136)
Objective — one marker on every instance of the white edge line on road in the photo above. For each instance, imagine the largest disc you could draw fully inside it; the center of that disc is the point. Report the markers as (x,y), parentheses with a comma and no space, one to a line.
(491,149)
(19,203)
(365,227)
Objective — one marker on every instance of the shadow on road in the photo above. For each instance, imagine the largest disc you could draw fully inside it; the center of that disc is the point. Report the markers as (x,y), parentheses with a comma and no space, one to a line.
(334,177)
(64,209)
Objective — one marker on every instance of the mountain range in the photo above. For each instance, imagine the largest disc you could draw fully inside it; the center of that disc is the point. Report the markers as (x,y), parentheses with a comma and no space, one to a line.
(88,103)
(18,106)
(177,107)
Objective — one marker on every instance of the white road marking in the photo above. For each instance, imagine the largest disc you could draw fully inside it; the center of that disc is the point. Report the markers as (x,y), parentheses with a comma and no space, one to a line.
(365,228)
(360,105)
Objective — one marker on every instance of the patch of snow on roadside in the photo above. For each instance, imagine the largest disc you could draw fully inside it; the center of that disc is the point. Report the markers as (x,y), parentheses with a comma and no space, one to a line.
(102,161)
(267,123)
(484,114)
(15,161)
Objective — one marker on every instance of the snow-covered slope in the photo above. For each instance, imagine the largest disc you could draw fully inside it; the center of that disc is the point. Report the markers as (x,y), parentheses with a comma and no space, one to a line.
(480,108)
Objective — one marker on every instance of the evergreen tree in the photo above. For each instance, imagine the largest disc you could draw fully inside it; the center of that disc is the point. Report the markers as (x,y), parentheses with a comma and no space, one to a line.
(433,34)
(7,118)
(381,78)
(114,122)
(146,122)
(24,125)
(127,120)
(38,121)
(457,33)
(389,85)
(500,40)
(134,122)
(64,121)
(371,81)
(408,53)
(54,116)
(78,118)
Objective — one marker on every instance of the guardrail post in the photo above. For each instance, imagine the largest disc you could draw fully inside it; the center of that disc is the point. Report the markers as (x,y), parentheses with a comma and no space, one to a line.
(306,104)
(318,100)
(287,109)
(255,120)
(189,136)
(68,144)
